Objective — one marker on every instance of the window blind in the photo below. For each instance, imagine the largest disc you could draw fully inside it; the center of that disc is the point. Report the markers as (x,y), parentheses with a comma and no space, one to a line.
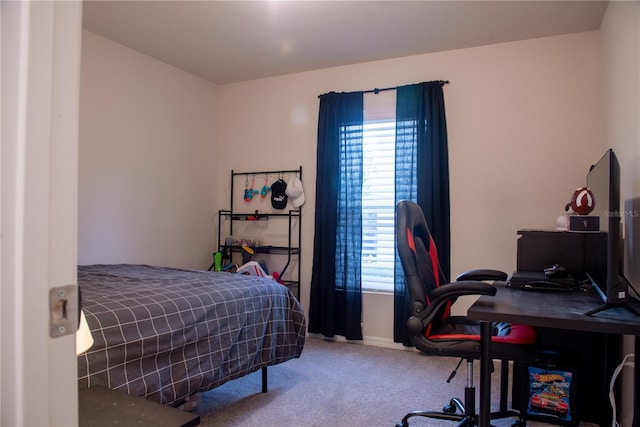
(378,206)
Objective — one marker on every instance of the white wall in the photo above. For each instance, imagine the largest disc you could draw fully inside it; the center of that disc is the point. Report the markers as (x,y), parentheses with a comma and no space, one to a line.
(524,122)
(621,65)
(147,188)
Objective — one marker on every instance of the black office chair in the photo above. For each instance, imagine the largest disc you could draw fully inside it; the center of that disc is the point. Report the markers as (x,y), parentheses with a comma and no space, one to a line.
(433,330)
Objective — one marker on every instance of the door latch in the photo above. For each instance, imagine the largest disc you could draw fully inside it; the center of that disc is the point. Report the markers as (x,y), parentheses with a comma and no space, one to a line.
(63,310)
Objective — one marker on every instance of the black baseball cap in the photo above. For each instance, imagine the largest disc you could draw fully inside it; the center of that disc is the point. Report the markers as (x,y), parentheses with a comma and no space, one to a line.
(278,194)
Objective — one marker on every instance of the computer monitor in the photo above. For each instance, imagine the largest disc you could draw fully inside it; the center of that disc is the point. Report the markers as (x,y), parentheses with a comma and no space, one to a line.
(603,180)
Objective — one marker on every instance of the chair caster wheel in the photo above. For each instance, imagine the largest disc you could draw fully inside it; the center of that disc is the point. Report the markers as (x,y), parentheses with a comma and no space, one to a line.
(401,424)
(449,409)
(519,424)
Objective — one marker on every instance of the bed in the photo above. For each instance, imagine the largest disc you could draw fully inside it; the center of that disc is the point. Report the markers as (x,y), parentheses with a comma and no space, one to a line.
(164,334)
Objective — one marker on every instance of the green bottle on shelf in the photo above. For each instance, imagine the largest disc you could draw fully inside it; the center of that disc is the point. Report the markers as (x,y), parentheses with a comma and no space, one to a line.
(217,261)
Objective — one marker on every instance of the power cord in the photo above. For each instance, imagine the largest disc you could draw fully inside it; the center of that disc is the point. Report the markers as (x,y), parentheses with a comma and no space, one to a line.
(453,374)
(617,371)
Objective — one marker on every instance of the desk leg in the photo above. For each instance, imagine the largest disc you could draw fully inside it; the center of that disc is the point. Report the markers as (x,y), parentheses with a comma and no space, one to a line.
(485,374)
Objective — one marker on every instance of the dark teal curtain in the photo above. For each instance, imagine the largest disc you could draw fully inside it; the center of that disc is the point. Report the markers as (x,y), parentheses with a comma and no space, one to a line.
(422,175)
(335,306)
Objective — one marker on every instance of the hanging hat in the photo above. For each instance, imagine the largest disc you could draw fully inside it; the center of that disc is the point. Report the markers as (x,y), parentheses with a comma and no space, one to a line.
(295,192)
(278,194)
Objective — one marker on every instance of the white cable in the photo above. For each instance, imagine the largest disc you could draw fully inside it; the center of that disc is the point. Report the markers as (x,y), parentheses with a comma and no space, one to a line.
(612,399)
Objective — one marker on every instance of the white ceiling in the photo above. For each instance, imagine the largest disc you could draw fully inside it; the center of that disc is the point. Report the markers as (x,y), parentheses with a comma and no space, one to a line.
(232,41)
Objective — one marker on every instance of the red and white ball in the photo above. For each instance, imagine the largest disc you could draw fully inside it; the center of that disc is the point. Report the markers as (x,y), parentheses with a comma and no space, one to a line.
(582,201)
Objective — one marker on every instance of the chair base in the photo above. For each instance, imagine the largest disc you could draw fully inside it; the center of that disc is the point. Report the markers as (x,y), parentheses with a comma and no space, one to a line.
(462,419)
(461,412)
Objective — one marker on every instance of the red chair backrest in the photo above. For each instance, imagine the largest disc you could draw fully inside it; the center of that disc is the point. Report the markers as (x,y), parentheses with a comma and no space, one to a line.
(419,257)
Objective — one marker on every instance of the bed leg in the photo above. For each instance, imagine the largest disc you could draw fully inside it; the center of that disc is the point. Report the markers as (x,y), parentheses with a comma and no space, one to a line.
(264,379)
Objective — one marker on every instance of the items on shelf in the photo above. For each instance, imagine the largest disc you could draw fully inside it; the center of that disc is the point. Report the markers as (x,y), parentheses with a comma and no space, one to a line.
(295,192)
(249,241)
(287,195)
(265,188)
(222,261)
(217,261)
(251,217)
(252,268)
(249,192)
(282,192)
(247,254)
(279,196)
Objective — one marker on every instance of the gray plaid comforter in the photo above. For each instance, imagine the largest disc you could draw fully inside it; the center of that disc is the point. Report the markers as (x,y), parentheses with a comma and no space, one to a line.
(164,333)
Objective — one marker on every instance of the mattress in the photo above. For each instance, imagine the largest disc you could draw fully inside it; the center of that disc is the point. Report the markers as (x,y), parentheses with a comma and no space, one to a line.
(166,333)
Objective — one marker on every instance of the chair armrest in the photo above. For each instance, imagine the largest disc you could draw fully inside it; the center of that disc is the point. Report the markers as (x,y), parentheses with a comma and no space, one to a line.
(441,296)
(456,289)
(482,274)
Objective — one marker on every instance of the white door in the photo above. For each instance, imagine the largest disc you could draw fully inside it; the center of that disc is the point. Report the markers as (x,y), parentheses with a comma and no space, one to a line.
(38,165)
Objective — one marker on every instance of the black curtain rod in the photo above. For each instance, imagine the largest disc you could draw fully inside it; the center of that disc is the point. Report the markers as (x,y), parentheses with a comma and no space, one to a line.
(378,90)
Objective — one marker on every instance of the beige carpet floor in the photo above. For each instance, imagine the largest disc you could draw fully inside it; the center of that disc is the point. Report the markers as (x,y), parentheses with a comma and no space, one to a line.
(343,384)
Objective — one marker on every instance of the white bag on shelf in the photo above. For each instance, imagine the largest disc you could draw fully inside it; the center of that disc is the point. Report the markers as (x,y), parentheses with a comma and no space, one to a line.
(253,268)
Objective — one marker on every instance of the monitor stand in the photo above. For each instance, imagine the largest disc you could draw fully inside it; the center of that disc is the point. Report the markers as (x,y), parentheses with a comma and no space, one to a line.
(608,305)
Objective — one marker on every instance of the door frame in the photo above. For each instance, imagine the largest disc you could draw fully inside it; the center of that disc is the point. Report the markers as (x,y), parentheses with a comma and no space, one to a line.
(41,43)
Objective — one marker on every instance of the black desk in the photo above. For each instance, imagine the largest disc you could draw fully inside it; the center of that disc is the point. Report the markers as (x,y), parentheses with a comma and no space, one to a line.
(549,310)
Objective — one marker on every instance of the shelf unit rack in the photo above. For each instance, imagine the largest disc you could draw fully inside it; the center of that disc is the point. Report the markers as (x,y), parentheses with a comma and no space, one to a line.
(294,235)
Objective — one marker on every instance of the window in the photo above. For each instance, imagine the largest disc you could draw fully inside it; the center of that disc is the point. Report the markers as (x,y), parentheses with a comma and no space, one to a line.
(378,205)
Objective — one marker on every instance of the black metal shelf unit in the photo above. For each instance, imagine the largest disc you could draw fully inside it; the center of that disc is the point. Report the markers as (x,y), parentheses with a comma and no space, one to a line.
(227,217)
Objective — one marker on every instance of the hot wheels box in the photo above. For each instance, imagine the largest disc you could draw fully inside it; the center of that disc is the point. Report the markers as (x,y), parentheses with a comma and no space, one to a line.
(551,395)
